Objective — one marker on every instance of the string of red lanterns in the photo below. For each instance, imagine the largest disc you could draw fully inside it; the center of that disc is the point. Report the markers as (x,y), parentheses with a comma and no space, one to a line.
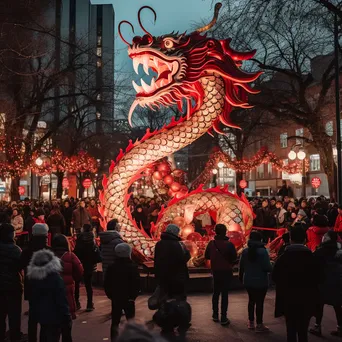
(263,156)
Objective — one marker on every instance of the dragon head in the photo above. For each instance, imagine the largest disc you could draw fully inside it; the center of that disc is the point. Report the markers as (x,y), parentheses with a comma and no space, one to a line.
(180,61)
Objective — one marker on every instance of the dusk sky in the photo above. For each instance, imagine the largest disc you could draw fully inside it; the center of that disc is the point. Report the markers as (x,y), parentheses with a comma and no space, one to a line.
(178,15)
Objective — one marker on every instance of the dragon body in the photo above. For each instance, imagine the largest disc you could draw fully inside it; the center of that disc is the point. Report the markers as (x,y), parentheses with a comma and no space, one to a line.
(193,71)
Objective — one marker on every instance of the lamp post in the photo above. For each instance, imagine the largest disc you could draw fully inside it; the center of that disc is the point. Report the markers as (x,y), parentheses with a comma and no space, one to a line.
(39,162)
(301,156)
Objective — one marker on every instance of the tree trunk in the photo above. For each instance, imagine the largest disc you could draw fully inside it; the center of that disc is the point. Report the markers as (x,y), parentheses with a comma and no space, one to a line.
(238,177)
(15,188)
(80,185)
(60,176)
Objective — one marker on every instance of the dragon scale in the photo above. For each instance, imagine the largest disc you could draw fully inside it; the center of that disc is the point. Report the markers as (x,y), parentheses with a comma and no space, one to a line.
(162,144)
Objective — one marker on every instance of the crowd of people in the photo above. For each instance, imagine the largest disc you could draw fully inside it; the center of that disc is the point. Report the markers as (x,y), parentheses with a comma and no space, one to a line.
(307,272)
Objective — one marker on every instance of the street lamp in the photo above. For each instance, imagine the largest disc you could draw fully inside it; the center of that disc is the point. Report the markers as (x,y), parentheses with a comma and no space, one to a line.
(39,161)
(301,156)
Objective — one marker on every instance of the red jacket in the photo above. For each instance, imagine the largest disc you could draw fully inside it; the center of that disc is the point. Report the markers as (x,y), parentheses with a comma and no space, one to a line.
(315,235)
(72,271)
(338,224)
(94,212)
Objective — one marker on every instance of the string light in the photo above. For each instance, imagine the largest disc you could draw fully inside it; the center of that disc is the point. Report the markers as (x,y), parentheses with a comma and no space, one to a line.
(263,156)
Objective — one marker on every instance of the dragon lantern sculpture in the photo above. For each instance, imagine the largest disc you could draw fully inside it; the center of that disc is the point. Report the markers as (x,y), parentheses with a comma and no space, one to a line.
(201,75)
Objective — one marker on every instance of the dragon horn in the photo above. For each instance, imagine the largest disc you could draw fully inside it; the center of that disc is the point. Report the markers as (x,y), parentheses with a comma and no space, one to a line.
(213,22)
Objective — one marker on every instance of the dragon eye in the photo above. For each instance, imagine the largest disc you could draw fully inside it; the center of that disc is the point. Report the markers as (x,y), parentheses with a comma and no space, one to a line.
(168,43)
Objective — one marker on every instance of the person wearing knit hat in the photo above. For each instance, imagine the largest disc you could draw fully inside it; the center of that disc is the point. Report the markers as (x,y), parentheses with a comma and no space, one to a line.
(11,284)
(40,229)
(173,229)
(170,263)
(123,250)
(122,286)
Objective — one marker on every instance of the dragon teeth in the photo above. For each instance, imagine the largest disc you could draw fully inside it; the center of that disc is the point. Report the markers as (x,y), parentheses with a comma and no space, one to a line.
(145,86)
(145,62)
(136,87)
(136,63)
(156,62)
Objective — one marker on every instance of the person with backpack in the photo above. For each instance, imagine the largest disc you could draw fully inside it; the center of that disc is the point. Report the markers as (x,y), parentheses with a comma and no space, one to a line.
(122,286)
(222,254)
(89,255)
(72,272)
(255,267)
(329,256)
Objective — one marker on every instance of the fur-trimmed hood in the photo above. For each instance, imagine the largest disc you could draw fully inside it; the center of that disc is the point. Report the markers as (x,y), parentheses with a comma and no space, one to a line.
(43,263)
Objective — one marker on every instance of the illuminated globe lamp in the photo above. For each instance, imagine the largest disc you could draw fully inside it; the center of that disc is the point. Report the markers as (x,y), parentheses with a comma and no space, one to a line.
(39,161)
(292,155)
(301,155)
(220,164)
(214,171)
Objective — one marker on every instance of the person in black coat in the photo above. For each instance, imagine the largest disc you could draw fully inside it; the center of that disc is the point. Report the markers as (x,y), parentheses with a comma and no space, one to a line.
(222,254)
(38,242)
(122,286)
(329,255)
(56,222)
(48,299)
(11,284)
(67,214)
(297,276)
(170,263)
(87,251)
(265,219)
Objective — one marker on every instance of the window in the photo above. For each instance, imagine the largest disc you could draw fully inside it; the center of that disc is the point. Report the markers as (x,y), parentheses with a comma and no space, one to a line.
(98,115)
(250,174)
(315,163)
(2,120)
(329,128)
(99,40)
(260,171)
(99,52)
(285,175)
(99,63)
(98,97)
(269,169)
(299,133)
(283,140)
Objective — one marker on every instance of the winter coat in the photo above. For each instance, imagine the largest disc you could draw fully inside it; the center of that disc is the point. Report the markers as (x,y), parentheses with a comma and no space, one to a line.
(18,223)
(84,249)
(48,300)
(332,216)
(67,214)
(29,223)
(254,273)
(329,257)
(72,271)
(109,240)
(80,217)
(264,218)
(338,224)
(314,236)
(122,280)
(11,278)
(94,212)
(56,224)
(297,275)
(37,243)
(221,253)
(170,262)
(280,216)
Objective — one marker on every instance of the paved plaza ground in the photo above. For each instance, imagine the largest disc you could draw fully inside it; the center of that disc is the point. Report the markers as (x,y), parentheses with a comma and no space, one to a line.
(94,326)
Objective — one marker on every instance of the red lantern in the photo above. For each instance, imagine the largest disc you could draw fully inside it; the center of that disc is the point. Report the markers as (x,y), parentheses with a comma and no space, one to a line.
(21,190)
(65,183)
(175,186)
(316,182)
(86,183)
(243,184)
(164,167)
(171,193)
(168,180)
(157,175)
